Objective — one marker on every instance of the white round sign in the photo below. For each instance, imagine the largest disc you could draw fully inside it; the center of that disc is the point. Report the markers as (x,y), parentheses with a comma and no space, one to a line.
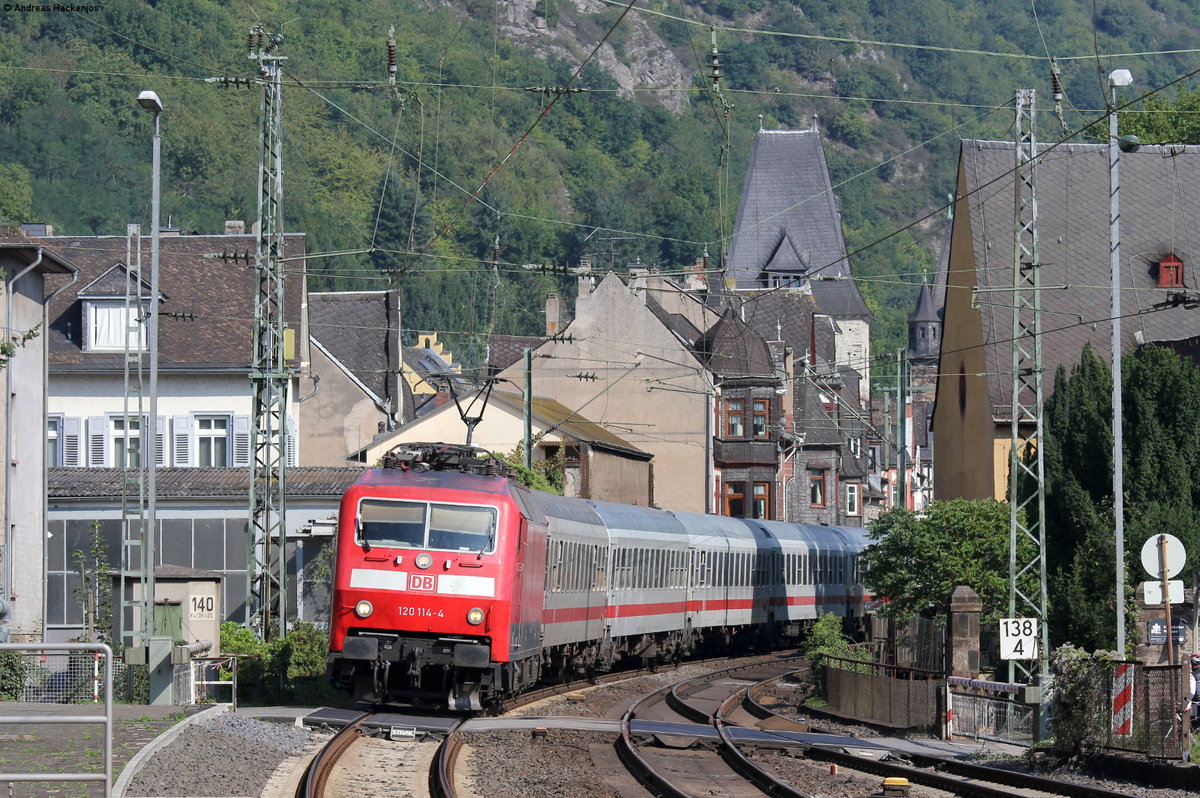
(1176,556)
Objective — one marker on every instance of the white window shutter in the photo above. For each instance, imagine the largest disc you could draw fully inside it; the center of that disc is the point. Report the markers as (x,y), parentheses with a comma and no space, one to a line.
(160,440)
(292,448)
(181,445)
(72,446)
(97,430)
(241,440)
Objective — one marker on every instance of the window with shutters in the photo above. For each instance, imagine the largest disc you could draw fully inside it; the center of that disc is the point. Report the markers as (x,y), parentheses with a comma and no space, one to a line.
(117,441)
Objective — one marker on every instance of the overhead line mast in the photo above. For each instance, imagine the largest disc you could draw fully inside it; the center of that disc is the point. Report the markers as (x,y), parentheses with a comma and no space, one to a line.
(266,599)
(1026,456)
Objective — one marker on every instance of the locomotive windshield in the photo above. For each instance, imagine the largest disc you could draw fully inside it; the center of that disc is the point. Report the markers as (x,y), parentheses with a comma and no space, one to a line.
(425,525)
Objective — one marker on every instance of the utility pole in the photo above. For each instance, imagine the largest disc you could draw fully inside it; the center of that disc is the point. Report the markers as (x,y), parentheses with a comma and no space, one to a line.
(901,428)
(266,602)
(1026,450)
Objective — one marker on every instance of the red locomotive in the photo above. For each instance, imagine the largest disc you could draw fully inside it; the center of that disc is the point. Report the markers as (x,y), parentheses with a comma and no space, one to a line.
(455,585)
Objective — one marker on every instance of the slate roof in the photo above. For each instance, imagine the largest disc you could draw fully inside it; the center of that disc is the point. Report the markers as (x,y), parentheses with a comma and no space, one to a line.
(504,350)
(362,330)
(1160,199)
(925,309)
(198,483)
(733,350)
(207,304)
(789,222)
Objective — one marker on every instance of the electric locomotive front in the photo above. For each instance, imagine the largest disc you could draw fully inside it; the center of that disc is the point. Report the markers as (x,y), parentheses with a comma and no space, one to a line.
(424,592)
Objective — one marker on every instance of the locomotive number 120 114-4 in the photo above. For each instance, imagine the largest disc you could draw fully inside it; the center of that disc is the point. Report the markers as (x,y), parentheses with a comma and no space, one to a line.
(420,612)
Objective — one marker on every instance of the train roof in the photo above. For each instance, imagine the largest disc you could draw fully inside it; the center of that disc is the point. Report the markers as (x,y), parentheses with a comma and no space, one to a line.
(445,480)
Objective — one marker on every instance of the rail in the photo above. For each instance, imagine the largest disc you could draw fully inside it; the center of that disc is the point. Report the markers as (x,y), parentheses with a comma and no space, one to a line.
(106,654)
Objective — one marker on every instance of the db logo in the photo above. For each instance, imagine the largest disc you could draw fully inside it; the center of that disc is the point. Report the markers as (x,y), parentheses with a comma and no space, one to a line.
(421,582)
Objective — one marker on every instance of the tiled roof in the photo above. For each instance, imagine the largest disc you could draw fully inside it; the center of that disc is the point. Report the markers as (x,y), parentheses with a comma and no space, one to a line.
(788,221)
(1160,197)
(198,483)
(362,330)
(549,413)
(207,305)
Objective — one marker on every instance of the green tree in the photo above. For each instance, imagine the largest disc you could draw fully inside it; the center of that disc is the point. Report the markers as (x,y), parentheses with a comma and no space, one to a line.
(1161,393)
(16,194)
(914,562)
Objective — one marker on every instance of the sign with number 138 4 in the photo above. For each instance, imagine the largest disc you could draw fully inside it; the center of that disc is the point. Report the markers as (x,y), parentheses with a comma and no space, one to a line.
(1018,638)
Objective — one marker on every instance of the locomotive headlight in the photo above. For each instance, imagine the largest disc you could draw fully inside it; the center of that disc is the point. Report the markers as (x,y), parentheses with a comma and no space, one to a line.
(475,616)
(423,560)
(363,609)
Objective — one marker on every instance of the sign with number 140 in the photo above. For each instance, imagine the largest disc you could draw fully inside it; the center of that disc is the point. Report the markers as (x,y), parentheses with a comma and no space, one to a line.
(1018,638)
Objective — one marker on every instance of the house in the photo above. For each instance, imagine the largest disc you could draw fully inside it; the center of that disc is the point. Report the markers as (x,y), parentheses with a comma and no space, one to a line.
(594,463)
(621,367)
(99,355)
(788,233)
(202,528)
(354,388)
(1160,196)
(27,265)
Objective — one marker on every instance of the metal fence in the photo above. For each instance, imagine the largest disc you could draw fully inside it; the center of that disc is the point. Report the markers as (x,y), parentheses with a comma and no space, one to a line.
(45,674)
(904,698)
(1144,704)
(17,655)
(990,711)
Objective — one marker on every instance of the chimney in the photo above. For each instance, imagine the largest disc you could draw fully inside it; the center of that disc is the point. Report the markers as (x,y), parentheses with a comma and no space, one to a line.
(552,315)
(234,227)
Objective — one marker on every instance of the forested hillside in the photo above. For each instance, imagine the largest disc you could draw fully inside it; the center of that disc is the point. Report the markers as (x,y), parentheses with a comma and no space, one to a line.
(640,159)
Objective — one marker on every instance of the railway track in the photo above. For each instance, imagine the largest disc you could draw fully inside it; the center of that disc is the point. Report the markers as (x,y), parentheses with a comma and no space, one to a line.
(707,736)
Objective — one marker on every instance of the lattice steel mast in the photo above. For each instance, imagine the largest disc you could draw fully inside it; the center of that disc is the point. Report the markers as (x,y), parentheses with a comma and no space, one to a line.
(267,589)
(1026,455)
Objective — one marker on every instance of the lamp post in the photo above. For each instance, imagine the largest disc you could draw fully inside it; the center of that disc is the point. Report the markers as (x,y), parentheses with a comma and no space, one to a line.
(150,101)
(1117,78)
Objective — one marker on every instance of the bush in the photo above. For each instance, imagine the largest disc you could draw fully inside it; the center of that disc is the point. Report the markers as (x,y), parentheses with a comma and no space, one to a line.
(825,639)
(1079,694)
(287,669)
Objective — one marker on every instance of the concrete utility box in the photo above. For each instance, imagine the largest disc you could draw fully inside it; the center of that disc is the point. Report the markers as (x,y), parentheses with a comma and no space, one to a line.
(187,605)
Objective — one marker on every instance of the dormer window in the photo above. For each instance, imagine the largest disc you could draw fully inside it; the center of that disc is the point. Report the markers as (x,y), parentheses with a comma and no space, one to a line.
(1170,272)
(110,325)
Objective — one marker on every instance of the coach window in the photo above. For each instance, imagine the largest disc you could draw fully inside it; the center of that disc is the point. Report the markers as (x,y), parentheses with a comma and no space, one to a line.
(762,414)
(735,499)
(816,487)
(735,418)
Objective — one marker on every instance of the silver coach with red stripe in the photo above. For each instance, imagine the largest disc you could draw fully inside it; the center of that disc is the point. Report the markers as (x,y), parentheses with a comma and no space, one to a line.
(456,586)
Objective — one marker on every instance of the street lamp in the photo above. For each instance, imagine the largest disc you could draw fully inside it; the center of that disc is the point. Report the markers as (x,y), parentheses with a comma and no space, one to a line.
(1116,79)
(150,101)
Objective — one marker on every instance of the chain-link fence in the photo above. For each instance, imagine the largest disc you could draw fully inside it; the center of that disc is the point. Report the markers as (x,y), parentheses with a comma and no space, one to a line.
(1145,704)
(76,678)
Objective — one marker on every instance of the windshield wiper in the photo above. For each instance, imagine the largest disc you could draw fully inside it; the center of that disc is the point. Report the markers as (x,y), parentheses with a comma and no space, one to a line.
(491,539)
(362,533)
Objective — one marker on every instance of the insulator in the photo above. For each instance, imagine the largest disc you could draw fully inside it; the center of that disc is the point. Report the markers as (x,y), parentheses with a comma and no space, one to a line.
(250,40)
(391,55)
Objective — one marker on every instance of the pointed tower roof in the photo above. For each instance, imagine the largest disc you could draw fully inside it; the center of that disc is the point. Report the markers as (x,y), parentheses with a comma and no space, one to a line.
(926,311)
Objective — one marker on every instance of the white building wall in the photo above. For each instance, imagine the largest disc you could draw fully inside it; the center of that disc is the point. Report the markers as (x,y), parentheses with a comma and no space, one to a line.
(25,485)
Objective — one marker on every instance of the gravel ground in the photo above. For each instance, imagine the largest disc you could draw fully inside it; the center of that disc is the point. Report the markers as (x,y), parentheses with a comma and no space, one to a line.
(230,755)
(558,765)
